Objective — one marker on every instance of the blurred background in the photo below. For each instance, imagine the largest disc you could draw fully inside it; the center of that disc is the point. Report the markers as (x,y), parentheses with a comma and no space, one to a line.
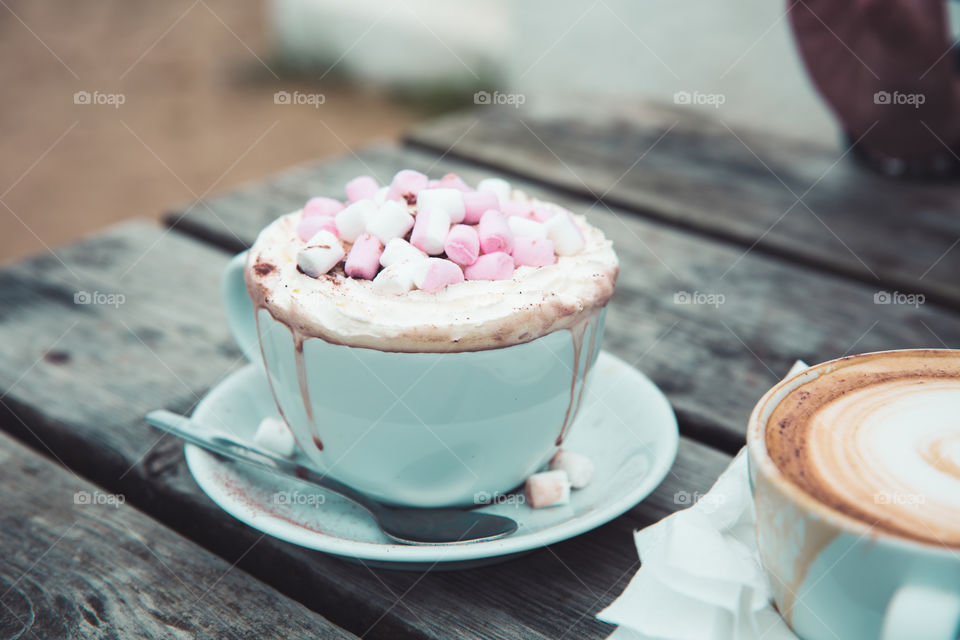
(122,108)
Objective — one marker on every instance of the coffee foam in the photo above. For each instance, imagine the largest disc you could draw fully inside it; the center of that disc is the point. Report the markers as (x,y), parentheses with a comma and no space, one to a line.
(879,441)
(468,316)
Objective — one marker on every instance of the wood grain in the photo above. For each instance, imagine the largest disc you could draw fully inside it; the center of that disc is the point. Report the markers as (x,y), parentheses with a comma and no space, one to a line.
(77,562)
(810,204)
(756,313)
(78,379)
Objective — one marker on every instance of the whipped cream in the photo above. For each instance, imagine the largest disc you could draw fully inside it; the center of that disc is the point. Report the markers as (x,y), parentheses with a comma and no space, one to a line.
(467,316)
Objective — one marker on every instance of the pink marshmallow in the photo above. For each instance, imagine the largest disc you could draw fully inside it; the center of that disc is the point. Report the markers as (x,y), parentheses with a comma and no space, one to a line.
(516,208)
(548,489)
(462,245)
(490,266)
(361,188)
(363,261)
(322,207)
(495,235)
(454,181)
(438,274)
(476,203)
(542,213)
(430,230)
(407,183)
(308,227)
(433,184)
(533,252)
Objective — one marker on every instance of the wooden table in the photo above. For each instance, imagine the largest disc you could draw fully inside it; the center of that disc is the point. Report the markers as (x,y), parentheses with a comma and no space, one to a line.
(802,247)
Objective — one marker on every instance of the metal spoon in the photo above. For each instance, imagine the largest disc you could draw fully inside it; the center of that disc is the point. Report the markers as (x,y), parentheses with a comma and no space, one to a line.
(406,525)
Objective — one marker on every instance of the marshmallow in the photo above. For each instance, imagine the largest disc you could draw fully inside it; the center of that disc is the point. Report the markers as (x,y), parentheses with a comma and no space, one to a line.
(407,183)
(475,203)
(498,186)
(548,489)
(533,252)
(490,266)
(364,259)
(362,188)
(450,200)
(517,208)
(398,277)
(431,227)
(390,221)
(579,468)
(436,274)
(322,253)
(322,207)
(566,234)
(384,194)
(525,227)
(495,234)
(462,245)
(308,227)
(352,221)
(453,181)
(397,250)
(275,436)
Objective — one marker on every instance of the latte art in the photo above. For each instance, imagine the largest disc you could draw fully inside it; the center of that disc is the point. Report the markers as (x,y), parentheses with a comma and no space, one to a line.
(880,442)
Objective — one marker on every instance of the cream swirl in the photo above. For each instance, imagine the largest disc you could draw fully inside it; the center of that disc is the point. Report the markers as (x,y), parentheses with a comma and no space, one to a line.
(467,316)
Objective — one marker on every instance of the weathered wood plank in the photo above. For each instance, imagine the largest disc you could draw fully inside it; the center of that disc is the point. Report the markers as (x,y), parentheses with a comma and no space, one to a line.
(714,362)
(78,379)
(811,204)
(76,562)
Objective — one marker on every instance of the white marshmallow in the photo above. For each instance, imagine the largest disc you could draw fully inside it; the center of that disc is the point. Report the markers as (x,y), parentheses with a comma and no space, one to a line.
(390,221)
(381,195)
(548,489)
(450,200)
(401,276)
(579,467)
(321,254)
(431,229)
(526,227)
(397,250)
(275,436)
(352,221)
(498,186)
(565,234)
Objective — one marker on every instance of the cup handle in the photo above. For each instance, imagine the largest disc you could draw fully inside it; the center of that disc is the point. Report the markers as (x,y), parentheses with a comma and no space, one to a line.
(239,308)
(922,611)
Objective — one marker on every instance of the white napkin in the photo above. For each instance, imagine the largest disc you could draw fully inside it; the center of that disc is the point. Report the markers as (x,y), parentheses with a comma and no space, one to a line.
(701,576)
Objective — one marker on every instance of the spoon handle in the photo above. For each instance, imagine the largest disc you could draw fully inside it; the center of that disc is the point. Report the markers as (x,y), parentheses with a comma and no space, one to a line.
(196,434)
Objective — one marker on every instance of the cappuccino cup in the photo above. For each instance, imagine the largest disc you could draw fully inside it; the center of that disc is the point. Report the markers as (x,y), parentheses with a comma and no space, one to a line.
(855,473)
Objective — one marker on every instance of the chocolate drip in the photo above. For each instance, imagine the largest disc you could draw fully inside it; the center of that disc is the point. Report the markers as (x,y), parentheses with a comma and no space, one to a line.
(577,334)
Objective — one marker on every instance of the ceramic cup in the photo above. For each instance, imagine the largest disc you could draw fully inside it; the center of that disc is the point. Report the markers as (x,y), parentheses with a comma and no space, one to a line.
(420,429)
(833,576)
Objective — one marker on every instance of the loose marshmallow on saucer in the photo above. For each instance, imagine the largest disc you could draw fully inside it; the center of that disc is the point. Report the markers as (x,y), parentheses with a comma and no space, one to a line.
(495,234)
(361,188)
(275,436)
(322,207)
(308,227)
(436,274)
(462,245)
(533,252)
(352,221)
(548,489)
(525,227)
(322,253)
(447,199)
(364,258)
(566,235)
(476,203)
(398,250)
(498,186)
(431,227)
(390,221)
(490,266)
(579,467)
